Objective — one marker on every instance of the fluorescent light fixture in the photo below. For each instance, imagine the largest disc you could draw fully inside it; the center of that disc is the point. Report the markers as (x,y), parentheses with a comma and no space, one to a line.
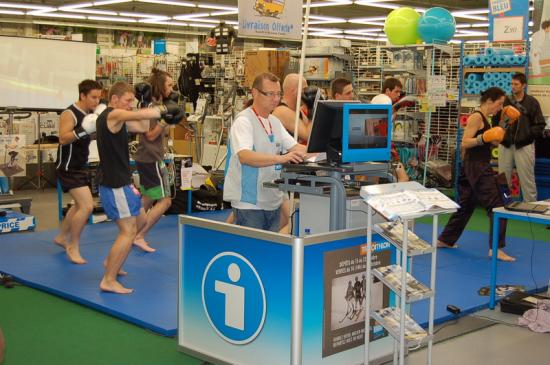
(25,6)
(325,35)
(232,22)
(169,2)
(12,12)
(313,22)
(368,19)
(41,11)
(475,32)
(463,25)
(460,35)
(199,25)
(59,15)
(211,21)
(112,19)
(480,25)
(218,7)
(326,30)
(366,31)
(377,4)
(460,14)
(472,11)
(163,22)
(329,3)
(143,15)
(76,6)
(328,18)
(222,13)
(91,11)
(367,22)
(354,37)
(190,16)
(108,2)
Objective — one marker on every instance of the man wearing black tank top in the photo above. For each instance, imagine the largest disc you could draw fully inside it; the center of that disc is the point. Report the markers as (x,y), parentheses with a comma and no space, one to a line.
(72,158)
(120,199)
(477,181)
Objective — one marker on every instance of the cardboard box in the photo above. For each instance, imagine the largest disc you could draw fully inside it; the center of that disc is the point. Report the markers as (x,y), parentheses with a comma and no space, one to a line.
(322,68)
(256,62)
(16,222)
(185,147)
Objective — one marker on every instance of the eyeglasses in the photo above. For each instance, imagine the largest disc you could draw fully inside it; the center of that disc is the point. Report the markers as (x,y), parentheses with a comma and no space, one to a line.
(271,94)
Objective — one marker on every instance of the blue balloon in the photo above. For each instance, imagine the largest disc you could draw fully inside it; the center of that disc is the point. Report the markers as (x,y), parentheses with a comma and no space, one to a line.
(436,25)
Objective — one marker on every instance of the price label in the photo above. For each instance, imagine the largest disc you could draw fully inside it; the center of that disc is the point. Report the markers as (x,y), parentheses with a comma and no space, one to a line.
(508,28)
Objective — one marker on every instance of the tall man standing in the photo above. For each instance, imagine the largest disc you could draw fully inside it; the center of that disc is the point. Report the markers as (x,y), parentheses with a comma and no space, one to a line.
(258,140)
(518,146)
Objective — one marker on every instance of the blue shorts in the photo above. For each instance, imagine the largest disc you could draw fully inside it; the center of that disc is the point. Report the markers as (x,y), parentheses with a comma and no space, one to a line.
(121,202)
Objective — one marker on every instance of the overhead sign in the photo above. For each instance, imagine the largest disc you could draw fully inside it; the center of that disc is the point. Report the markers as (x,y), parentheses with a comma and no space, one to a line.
(277,19)
(508,20)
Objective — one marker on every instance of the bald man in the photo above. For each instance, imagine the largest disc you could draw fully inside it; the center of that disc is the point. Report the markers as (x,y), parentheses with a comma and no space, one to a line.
(286,110)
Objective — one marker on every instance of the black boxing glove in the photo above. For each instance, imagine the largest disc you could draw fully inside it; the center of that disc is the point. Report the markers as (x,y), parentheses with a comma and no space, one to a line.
(171,113)
(144,94)
(174,96)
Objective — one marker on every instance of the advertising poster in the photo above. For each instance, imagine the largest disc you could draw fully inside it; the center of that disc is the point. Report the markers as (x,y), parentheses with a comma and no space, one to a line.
(344,300)
(278,19)
(508,20)
(12,155)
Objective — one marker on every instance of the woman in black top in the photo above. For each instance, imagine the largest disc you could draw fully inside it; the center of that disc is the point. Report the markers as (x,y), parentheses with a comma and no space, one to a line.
(477,181)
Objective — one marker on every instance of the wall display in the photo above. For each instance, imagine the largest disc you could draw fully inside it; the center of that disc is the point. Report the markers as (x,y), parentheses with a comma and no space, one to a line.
(12,155)
(67,33)
(278,19)
(37,73)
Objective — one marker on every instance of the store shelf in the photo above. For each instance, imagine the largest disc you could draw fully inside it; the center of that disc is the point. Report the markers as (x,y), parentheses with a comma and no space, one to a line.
(391,276)
(368,67)
(488,68)
(367,79)
(393,232)
(390,319)
(342,56)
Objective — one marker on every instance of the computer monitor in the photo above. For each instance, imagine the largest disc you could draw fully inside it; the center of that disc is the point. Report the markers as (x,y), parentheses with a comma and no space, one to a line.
(326,130)
(350,131)
(366,132)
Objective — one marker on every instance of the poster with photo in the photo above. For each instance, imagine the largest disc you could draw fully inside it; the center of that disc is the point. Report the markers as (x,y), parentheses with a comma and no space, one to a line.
(139,40)
(344,303)
(12,155)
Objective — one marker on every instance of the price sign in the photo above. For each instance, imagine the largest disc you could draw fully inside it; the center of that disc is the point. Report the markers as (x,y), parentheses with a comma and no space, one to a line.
(506,29)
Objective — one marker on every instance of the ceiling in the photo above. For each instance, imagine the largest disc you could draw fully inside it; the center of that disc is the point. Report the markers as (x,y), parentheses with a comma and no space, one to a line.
(352,19)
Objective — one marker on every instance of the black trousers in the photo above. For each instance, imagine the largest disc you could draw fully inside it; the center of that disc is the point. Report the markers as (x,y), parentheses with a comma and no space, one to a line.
(477,183)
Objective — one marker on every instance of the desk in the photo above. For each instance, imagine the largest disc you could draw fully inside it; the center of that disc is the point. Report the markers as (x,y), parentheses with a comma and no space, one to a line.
(499,213)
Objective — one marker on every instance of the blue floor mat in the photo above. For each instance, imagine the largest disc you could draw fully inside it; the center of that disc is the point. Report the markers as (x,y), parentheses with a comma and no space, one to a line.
(34,260)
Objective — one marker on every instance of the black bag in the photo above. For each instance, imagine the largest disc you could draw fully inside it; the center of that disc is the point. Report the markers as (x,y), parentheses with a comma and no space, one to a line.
(515,303)
(203,199)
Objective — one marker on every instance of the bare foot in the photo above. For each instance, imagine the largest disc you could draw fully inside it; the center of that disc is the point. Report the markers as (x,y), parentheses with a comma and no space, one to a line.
(144,245)
(114,287)
(441,244)
(121,272)
(502,256)
(60,241)
(73,253)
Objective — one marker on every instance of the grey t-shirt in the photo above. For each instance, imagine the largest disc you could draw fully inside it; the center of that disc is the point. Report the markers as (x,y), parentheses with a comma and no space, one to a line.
(150,151)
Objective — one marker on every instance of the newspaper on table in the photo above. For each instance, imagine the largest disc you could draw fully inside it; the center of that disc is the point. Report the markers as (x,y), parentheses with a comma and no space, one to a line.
(393,231)
(392,319)
(392,274)
(408,202)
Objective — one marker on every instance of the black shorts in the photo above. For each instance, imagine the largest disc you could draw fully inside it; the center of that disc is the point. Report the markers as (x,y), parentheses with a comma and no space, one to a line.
(73,179)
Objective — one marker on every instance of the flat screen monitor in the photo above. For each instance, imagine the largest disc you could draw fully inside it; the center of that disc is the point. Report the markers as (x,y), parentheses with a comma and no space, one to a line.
(350,131)
(366,132)
(326,130)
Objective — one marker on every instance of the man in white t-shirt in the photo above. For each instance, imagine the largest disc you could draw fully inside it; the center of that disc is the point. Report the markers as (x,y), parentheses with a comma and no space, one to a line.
(258,145)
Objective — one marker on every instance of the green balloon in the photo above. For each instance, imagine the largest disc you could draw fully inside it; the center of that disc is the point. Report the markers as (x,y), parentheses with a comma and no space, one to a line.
(401,26)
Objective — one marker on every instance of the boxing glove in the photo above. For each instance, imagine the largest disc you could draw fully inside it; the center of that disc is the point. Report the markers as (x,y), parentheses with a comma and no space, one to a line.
(509,116)
(171,113)
(174,96)
(144,94)
(87,126)
(495,134)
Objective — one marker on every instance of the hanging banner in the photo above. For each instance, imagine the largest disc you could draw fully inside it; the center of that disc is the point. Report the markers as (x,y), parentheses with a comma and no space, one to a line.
(508,20)
(276,19)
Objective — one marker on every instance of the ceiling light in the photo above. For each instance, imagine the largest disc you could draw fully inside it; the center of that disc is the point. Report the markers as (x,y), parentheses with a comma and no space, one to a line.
(59,15)
(313,22)
(91,11)
(460,14)
(480,25)
(199,25)
(326,30)
(112,19)
(41,11)
(232,22)
(377,5)
(327,35)
(469,35)
(108,2)
(76,6)
(463,25)
(473,11)
(368,19)
(354,37)
(476,32)
(363,31)
(169,2)
(25,6)
(164,22)
(355,21)
(12,12)
(143,15)
(217,7)
(190,16)
(329,3)
(222,13)
(212,21)
(327,18)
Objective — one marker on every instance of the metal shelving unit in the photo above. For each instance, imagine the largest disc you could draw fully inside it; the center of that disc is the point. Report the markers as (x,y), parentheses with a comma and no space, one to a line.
(404,330)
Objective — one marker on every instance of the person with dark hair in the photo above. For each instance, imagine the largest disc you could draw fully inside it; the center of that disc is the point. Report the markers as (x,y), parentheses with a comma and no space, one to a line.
(119,198)
(76,123)
(477,181)
(540,41)
(258,141)
(341,89)
(518,147)
(153,173)
(392,88)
